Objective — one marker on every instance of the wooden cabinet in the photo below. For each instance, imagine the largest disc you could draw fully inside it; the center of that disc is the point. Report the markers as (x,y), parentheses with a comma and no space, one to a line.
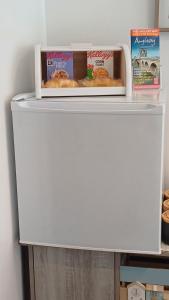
(147,269)
(66,274)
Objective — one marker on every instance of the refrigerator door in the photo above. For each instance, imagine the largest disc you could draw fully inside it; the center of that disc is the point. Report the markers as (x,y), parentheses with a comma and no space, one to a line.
(89,174)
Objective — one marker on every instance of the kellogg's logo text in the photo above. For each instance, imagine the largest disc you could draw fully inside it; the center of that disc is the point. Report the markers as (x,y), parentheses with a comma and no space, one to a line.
(100,54)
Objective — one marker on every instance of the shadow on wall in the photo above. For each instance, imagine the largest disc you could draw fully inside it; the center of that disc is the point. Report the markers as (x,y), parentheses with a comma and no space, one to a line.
(12,175)
(23,70)
(12,248)
(22,73)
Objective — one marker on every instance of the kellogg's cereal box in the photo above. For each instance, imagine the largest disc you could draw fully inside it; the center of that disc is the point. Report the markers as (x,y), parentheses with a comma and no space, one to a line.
(59,65)
(99,64)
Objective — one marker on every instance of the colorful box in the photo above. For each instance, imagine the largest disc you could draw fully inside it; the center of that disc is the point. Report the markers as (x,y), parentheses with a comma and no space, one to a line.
(99,64)
(59,65)
(145,54)
(154,292)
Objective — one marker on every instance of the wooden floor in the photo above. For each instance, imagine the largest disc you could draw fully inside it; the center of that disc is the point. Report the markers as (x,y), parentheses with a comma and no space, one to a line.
(65,274)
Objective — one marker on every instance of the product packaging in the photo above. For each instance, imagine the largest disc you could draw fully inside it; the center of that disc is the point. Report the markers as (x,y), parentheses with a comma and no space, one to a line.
(145,53)
(59,65)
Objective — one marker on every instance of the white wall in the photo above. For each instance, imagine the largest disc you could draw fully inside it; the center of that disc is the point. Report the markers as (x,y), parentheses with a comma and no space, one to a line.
(105,22)
(21,26)
(97,21)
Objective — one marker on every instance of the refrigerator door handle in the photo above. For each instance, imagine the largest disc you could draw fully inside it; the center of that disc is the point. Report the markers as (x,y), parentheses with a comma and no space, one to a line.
(87,107)
(25,96)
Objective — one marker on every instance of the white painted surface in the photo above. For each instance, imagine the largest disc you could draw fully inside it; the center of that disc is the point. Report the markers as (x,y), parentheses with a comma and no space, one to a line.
(92,155)
(164,14)
(95,21)
(104,22)
(21,27)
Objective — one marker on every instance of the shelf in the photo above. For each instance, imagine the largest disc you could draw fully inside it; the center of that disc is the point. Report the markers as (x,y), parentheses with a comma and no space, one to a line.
(78,47)
(117,70)
(144,275)
(153,270)
(51,92)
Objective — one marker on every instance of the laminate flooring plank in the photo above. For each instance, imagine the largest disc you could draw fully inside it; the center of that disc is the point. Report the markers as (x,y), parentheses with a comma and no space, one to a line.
(117,260)
(66,274)
(31,273)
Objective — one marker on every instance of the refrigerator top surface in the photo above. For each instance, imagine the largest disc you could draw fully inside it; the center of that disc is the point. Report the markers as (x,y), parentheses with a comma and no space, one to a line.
(148,102)
(145,96)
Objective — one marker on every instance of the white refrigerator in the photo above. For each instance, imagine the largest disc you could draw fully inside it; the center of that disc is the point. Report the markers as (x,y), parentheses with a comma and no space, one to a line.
(89,172)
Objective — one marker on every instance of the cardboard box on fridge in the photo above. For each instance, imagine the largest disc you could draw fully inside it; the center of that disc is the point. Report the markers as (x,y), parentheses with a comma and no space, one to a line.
(154,292)
(166,295)
(123,293)
(100,64)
